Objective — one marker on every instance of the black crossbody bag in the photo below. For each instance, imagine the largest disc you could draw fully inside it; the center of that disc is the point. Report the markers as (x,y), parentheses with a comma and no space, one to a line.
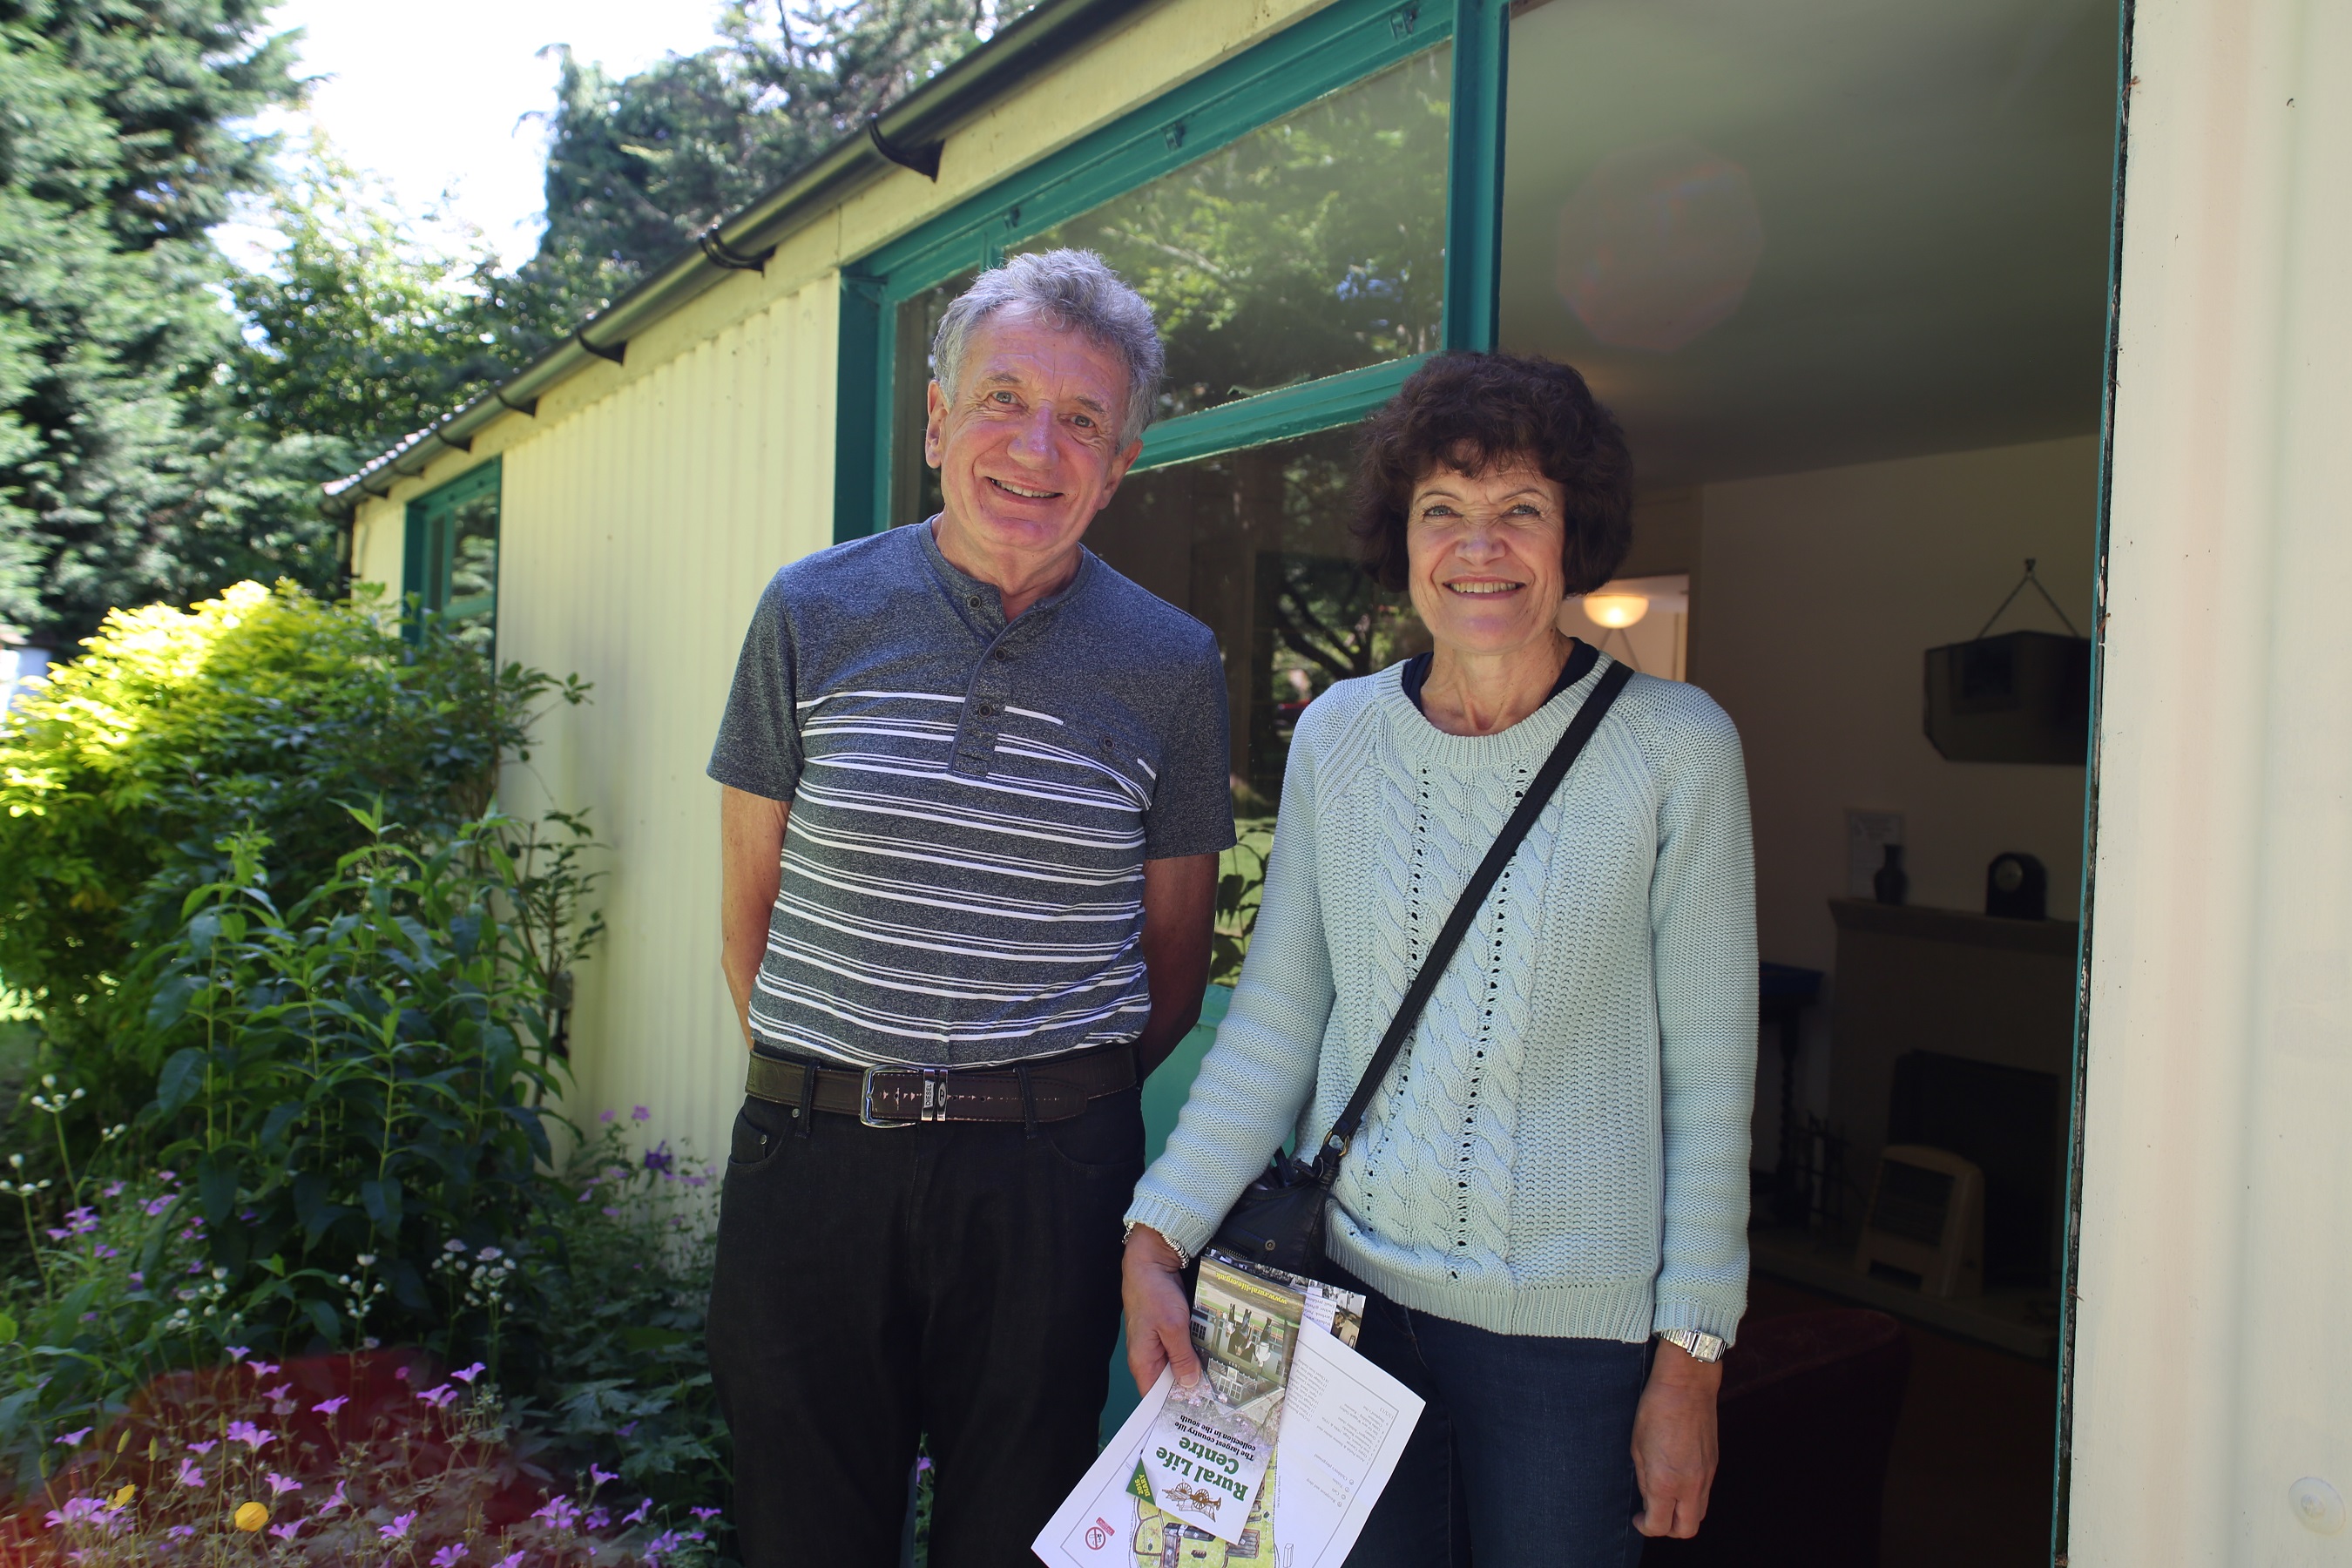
(1278,1219)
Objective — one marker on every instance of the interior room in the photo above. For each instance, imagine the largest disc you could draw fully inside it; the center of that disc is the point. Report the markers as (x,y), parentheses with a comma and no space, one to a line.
(1841,269)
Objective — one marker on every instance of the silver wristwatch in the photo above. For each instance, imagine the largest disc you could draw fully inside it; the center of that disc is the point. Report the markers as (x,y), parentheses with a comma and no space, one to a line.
(1697,1346)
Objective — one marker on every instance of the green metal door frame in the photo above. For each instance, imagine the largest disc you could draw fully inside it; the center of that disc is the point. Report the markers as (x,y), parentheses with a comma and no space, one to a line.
(428,542)
(1332,49)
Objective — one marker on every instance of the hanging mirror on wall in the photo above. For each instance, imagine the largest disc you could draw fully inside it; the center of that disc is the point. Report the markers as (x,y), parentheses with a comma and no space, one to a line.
(2022,697)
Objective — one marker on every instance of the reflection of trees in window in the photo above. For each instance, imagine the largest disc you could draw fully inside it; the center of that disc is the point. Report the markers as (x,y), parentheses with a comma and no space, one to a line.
(471,606)
(1311,246)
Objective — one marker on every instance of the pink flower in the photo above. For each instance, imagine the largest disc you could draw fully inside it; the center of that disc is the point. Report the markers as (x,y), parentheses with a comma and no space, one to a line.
(239,1353)
(261,1368)
(278,1392)
(288,1531)
(75,1511)
(467,1374)
(329,1406)
(595,1519)
(560,1512)
(69,1439)
(111,1190)
(334,1500)
(448,1555)
(190,1475)
(206,1447)
(247,1433)
(280,1486)
(512,1560)
(398,1528)
(706,1514)
(439,1398)
(400,1373)
(638,1515)
(598,1475)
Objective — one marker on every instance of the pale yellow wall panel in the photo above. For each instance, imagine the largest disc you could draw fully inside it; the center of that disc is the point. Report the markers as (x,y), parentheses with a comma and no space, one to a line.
(2213,1371)
(637,533)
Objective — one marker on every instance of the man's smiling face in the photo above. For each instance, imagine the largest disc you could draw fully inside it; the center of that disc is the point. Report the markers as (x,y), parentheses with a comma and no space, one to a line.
(1027,444)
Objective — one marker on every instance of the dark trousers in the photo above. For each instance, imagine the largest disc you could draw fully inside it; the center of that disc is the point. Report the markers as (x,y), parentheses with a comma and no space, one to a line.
(1523,1458)
(956,1282)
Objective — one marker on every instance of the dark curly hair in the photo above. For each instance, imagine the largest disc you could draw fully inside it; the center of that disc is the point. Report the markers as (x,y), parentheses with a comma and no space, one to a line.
(1473,411)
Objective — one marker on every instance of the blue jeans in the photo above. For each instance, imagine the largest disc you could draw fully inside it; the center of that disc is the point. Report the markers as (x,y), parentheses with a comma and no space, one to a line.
(1524,1457)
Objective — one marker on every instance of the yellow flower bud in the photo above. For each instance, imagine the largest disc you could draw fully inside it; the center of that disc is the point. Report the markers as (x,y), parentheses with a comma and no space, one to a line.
(250,1517)
(125,1495)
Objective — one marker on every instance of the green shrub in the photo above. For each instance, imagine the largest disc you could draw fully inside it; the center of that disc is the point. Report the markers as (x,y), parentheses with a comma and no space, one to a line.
(122,774)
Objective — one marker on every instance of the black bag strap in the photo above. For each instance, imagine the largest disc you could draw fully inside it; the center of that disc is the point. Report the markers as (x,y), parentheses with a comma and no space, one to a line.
(1540,791)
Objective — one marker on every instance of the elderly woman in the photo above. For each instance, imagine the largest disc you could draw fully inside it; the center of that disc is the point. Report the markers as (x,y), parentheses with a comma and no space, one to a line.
(1547,1202)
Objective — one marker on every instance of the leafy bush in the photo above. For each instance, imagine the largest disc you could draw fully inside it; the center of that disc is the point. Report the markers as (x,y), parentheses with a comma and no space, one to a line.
(1241,884)
(121,775)
(357,1079)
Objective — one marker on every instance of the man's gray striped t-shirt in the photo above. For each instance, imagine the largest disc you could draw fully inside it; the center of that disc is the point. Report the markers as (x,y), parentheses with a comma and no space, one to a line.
(972,801)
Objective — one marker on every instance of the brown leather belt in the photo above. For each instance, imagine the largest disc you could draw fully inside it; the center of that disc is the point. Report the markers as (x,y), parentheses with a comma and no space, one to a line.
(1055,1090)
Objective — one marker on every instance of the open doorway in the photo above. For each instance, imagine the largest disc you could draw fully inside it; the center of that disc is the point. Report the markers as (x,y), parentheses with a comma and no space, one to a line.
(1841,269)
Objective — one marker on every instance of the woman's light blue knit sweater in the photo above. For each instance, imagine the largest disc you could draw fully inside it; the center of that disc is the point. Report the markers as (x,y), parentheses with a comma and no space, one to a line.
(1562,1146)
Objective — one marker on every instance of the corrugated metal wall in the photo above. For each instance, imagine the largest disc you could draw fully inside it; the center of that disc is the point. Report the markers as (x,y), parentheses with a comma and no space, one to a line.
(637,535)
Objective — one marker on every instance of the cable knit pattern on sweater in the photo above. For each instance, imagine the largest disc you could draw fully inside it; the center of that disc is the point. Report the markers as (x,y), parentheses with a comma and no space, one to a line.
(1562,1146)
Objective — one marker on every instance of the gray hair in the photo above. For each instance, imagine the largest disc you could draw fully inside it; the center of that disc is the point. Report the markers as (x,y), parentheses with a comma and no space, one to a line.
(1076,292)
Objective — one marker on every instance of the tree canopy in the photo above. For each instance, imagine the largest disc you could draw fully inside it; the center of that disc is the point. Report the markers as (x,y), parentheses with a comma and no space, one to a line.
(166,418)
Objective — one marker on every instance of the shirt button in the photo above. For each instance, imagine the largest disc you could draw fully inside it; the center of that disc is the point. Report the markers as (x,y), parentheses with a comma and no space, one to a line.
(1002,656)
(984,710)
(973,601)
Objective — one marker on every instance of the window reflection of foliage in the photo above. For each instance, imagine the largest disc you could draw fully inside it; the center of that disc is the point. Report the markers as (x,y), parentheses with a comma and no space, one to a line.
(1311,246)
(471,605)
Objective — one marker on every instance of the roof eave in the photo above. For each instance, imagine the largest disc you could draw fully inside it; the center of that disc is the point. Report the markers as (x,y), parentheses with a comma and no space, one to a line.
(1036,38)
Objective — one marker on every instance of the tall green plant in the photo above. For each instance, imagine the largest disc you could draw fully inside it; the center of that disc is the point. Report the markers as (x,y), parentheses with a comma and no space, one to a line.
(120,778)
(355,1079)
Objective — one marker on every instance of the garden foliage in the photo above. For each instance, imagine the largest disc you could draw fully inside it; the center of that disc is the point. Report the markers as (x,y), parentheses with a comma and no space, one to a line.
(123,776)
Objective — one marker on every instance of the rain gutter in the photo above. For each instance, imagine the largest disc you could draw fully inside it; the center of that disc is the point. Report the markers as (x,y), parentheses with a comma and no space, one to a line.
(907,134)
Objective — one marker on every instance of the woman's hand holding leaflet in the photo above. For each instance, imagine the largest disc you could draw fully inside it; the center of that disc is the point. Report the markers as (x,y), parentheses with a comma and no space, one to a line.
(1159,1321)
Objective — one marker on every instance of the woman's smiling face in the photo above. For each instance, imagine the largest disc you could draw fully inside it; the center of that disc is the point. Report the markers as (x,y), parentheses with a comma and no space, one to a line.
(1483,556)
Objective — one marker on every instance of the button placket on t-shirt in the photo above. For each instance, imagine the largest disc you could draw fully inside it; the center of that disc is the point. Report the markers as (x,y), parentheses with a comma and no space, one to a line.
(984,700)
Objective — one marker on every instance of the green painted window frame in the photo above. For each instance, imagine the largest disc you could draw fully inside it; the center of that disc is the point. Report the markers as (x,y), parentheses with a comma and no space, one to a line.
(427,552)
(1335,47)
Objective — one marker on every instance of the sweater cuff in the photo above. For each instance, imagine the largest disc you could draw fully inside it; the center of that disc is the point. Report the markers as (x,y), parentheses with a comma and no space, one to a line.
(1185,1232)
(1704,1316)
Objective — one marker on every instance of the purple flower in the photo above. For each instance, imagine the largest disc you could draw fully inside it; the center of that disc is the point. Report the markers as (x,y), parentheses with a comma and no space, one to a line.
(398,1528)
(595,1519)
(206,1447)
(69,1439)
(157,1206)
(279,1485)
(612,1213)
(641,1114)
(111,1190)
(597,1476)
(637,1514)
(512,1560)
(261,1368)
(329,1406)
(448,1554)
(75,1511)
(181,1532)
(190,1475)
(138,1278)
(288,1531)
(467,1373)
(55,1235)
(605,1115)
(99,1249)
(659,1158)
(560,1512)
(277,1395)
(623,1430)
(668,1541)
(439,1398)
(239,1353)
(334,1500)
(705,1514)
(247,1433)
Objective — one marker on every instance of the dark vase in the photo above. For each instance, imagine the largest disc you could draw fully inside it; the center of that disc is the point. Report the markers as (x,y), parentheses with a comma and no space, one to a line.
(1889,881)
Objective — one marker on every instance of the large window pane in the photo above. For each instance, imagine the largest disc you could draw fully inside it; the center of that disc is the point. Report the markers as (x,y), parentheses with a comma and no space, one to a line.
(1255,544)
(1314,245)
(453,559)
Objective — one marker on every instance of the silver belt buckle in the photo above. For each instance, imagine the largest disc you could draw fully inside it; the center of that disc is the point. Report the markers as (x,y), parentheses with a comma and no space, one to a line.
(935,1097)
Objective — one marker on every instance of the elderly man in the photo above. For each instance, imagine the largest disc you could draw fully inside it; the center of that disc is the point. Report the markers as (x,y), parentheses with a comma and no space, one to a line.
(974,787)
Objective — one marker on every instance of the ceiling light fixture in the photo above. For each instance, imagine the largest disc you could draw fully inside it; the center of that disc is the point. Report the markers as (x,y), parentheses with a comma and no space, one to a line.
(1615,611)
